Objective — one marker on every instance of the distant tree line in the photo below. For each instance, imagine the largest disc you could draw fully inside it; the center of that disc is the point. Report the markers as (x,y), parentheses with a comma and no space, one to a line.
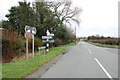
(104,40)
(97,37)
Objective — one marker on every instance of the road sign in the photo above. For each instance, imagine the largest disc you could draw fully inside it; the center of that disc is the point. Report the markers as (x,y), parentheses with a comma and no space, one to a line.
(27,28)
(33,30)
(28,36)
(29,33)
(50,41)
(42,47)
(30,30)
(44,41)
(46,37)
(50,35)
(47,32)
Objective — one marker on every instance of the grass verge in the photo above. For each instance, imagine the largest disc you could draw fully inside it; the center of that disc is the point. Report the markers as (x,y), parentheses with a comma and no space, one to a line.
(103,45)
(70,44)
(20,69)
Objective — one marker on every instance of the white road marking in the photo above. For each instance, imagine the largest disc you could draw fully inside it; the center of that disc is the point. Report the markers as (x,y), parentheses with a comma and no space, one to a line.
(109,76)
(104,69)
(90,51)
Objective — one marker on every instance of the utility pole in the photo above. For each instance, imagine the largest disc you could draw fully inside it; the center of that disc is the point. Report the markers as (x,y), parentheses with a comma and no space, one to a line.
(25,0)
(75,35)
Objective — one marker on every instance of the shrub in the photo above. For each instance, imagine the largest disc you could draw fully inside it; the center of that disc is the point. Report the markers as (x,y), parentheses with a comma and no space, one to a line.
(107,41)
(7,50)
(57,42)
(37,43)
(19,45)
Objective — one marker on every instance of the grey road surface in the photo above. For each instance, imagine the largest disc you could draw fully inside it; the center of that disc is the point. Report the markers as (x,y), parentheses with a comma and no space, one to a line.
(86,61)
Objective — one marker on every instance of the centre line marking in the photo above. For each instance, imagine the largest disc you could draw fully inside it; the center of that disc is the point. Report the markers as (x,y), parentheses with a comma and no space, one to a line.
(90,51)
(104,69)
(109,76)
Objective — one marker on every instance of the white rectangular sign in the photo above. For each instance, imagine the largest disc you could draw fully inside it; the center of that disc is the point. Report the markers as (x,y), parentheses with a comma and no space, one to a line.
(46,37)
(50,35)
(50,41)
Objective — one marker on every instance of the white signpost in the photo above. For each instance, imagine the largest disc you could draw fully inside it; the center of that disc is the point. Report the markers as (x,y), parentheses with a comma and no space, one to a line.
(49,36)
(47,45)
(29,33)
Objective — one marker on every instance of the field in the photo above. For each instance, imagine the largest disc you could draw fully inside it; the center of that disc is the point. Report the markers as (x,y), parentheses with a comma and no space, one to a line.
(105,42)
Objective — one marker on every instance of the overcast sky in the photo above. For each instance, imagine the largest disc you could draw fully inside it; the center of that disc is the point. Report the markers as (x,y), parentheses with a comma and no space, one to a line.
(97,17)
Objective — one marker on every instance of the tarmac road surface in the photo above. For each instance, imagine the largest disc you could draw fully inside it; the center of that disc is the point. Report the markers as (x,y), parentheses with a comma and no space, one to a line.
(86,61)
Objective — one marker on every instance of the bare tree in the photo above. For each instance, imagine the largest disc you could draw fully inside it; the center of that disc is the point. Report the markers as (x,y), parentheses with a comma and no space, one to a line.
(65,11)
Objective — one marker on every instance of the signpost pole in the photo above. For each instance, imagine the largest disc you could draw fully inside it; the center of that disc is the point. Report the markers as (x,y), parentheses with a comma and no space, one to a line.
(33,45)
(39,51)
(47,45)
(27,49)
(29,33)
(44,50)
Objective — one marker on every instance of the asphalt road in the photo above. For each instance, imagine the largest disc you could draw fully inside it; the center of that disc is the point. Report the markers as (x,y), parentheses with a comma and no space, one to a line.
(86,61)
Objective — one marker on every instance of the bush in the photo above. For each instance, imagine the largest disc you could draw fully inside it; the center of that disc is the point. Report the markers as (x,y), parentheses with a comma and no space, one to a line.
(106,41)
(37,43)
(20,45)
(57,42)
(8,52)
(5,43)
(112,42)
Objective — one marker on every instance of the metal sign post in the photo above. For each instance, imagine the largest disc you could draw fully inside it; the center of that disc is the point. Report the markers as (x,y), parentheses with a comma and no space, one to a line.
(29,33)
(27,49)
(33,46)
(39,51)
(41,48)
